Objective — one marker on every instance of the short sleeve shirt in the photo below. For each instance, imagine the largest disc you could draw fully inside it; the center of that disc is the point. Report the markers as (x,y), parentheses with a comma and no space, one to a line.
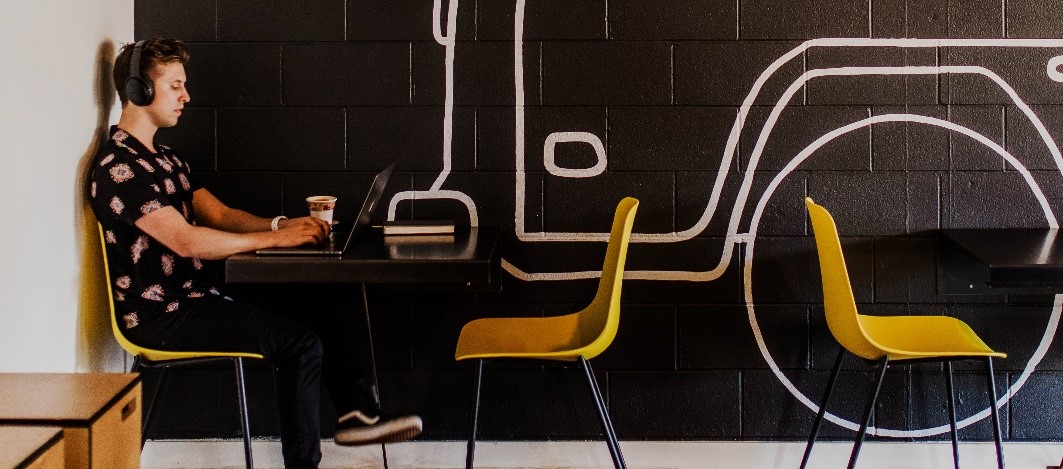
(127,182)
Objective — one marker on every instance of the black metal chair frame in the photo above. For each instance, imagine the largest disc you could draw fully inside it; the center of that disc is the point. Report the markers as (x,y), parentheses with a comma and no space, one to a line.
(241,390)
(882,364)
(588,372)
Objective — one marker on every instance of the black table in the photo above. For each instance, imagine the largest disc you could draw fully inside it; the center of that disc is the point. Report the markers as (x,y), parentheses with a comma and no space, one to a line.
(1000,261)
(470,260)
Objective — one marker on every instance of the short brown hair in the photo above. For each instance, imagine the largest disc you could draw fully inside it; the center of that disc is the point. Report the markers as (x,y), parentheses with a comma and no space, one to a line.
(156,51)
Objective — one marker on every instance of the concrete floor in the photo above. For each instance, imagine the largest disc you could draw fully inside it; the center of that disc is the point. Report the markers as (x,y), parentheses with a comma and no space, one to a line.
(595,454)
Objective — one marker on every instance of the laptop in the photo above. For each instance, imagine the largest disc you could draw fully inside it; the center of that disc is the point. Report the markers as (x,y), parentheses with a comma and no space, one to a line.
(361,224)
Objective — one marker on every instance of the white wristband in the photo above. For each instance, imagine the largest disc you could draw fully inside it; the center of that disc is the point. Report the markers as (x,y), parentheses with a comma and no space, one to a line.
(274,225)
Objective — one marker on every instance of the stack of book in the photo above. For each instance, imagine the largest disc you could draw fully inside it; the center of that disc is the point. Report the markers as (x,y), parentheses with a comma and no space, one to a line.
(418,231)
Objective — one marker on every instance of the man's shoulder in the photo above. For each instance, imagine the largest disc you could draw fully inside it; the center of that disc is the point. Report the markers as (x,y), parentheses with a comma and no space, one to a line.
(110,152)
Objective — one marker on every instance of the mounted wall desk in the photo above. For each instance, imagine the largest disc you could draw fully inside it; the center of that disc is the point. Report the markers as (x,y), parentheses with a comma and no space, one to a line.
(1000,261)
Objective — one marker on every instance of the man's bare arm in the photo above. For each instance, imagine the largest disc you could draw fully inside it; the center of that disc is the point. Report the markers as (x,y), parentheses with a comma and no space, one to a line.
(211,212)
(169,227)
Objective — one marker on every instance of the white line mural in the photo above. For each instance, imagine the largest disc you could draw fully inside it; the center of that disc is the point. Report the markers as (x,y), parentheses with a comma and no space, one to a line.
(436,191)
(735,234)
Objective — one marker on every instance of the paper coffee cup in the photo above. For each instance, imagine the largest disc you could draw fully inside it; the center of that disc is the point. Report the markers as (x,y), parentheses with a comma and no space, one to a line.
(321,206)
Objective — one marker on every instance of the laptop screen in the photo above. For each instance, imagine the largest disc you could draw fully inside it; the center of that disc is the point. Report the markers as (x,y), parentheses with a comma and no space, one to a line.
(365,214)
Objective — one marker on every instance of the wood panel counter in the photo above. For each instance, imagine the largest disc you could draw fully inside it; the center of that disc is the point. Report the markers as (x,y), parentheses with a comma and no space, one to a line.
(99,413)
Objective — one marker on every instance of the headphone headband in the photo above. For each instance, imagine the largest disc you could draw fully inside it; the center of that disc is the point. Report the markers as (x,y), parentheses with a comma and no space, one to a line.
(134,60)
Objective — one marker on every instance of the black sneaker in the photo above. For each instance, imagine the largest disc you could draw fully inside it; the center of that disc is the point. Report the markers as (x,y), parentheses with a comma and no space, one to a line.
(374,426)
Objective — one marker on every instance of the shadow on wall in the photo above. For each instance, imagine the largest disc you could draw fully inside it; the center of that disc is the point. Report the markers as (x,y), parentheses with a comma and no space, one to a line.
(96,348)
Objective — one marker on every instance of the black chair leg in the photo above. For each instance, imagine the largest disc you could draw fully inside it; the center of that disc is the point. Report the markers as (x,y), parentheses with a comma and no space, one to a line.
(470,450)
(993,410)
(822,407)
(885,363)
(150,411)
(603,414)
(952,416)
(245,425)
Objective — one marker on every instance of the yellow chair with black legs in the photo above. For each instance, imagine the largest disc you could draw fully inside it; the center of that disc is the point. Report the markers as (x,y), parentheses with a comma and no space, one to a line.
(887,340)
(150,358)
(575,337)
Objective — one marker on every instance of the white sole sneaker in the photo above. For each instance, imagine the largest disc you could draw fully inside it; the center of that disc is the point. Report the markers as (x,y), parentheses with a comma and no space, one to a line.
(392,431)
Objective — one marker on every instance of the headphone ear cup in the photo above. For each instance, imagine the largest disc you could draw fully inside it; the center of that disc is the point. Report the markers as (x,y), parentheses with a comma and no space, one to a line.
(139,91)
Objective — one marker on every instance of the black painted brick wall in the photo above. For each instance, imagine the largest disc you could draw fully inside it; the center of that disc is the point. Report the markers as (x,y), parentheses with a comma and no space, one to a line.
(291,98)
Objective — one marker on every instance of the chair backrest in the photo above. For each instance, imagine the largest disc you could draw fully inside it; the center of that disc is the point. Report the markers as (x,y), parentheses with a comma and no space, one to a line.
(599,321)
(134,349)
(126,345)
(839,305)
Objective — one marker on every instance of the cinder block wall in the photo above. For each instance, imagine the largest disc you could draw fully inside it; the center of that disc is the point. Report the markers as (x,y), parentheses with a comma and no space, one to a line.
(293,98)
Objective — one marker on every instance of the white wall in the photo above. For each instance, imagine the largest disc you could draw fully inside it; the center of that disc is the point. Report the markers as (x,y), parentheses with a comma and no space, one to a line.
(52,109)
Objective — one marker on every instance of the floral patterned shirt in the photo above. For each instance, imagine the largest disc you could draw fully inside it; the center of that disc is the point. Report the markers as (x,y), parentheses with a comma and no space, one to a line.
(128,181)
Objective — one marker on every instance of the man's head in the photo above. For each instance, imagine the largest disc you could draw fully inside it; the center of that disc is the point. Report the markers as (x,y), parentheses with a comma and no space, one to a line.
(161,72)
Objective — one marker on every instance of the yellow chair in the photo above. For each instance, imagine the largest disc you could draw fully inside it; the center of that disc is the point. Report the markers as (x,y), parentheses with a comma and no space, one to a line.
(150,358)
(577,337)
(889,339)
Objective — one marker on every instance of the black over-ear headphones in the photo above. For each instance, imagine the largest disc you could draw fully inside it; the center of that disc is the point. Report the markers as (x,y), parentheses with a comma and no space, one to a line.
(138,89)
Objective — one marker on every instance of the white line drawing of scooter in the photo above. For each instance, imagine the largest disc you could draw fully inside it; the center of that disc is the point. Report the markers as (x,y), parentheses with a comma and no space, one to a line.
(738,232)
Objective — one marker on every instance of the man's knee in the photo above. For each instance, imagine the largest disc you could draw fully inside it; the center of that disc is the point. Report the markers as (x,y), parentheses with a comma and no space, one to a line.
(299,347)
(310,344)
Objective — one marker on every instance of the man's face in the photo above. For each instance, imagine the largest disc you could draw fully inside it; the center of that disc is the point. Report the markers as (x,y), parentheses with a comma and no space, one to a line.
(170,94)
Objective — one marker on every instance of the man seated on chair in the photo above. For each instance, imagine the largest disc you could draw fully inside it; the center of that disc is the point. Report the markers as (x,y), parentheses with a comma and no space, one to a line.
(159,223)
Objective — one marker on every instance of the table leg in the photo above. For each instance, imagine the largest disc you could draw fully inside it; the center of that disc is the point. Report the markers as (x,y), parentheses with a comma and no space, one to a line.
(375,387)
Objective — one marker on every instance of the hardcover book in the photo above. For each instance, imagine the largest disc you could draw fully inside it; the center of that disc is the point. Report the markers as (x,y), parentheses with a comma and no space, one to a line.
(418,227)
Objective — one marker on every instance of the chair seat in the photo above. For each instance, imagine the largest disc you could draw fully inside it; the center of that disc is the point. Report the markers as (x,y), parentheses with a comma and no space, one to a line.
(549,338)
(164,355)
(917,337)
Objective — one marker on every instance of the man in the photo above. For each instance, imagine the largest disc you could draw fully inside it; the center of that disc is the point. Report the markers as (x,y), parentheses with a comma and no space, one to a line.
(159,223)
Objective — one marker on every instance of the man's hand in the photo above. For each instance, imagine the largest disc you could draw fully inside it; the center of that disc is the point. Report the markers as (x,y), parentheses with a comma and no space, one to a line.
(303,230)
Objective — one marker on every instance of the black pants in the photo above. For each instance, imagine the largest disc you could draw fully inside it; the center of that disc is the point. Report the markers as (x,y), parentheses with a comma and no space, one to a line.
(297,353)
